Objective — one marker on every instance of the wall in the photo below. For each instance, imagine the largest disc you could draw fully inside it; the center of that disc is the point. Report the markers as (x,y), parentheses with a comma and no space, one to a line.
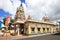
(41,26)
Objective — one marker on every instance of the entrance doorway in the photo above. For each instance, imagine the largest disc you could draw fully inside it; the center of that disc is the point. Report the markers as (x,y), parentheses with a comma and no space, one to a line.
(21,29)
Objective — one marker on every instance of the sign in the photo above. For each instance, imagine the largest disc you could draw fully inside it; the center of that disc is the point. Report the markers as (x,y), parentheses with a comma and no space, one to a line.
(7,20)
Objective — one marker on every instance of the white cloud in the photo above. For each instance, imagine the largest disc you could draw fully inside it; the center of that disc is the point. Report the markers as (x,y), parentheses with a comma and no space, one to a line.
(35,8)
(8,6)
(38,8)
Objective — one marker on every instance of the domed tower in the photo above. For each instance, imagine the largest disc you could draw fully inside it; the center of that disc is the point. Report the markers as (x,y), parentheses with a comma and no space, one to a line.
(45,18)
(20,13)
(29,17)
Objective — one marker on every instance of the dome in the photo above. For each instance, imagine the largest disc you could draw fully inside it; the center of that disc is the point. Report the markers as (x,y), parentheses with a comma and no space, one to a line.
(45,17)
(29,17)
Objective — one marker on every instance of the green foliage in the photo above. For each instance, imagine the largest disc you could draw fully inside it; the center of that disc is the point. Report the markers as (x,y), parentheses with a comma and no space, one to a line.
(11,21)
(0,28)
(4,21)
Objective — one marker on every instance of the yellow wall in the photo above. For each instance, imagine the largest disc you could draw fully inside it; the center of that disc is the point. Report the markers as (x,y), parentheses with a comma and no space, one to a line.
(41,26)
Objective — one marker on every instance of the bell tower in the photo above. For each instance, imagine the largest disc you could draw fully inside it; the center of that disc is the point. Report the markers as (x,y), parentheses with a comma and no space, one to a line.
(20,13)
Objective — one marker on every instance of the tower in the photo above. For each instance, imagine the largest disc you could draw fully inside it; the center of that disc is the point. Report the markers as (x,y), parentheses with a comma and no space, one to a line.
(45,18)
(20,13)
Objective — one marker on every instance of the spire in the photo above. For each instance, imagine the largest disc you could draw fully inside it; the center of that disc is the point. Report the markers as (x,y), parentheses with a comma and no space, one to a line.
(29,17)
(20,7)
(45,14)
(21,4)
(20,13)
(45,17)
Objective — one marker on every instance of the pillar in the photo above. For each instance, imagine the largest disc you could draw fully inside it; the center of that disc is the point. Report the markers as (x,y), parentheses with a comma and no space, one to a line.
(18,31)
(35,29)
(29,30)
(41,29)
(45,29)
(51,29)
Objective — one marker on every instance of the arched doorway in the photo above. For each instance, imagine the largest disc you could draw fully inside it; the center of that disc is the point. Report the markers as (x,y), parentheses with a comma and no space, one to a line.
(19,29)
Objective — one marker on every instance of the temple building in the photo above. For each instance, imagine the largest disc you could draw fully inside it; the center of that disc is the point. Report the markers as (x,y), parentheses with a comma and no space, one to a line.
(29,26)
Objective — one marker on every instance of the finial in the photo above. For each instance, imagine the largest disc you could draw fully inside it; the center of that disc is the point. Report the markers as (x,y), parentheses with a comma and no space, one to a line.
(21,4)
(45,14)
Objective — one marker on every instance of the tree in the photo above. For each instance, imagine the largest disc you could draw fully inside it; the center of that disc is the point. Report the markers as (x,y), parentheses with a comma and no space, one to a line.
(4,21)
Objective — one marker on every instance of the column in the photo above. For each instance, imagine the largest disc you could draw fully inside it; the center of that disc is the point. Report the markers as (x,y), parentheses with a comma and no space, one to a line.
(41,29)
(29,30)
(18,31)
(51,29)
(24,30)
(36,30)
(45,29)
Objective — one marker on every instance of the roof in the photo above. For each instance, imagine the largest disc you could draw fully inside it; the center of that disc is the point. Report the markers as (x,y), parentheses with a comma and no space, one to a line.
(38,21)
(18,22)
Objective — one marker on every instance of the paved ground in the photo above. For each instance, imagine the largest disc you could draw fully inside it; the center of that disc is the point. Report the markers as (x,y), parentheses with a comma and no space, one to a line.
(5,38)
(46,37)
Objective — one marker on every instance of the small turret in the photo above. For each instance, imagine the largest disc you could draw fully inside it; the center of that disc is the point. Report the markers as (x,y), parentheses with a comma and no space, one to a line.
(29,17)
(45,18)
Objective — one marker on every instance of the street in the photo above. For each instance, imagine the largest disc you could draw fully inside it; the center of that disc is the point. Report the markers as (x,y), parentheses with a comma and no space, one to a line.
(46,37)
(5,38)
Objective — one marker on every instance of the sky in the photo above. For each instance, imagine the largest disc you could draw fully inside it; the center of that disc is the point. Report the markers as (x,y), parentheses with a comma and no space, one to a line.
(36,8)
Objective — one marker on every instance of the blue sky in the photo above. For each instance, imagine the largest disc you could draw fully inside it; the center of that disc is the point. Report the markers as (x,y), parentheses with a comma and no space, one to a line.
(3,13)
